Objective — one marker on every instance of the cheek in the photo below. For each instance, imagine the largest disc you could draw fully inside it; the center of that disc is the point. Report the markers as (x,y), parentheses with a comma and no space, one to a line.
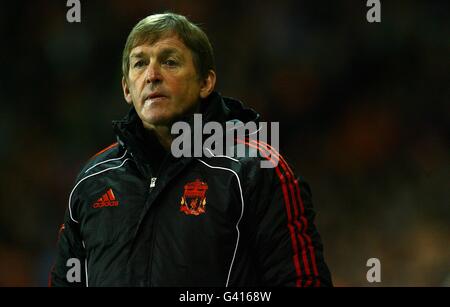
(135,90)
(184,85)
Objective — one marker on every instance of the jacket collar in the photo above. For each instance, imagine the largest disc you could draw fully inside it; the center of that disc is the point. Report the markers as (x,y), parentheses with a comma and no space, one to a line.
(146,149)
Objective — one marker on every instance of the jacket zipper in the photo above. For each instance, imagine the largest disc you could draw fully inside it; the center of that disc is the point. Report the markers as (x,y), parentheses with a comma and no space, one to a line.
(152,182)
(149,268)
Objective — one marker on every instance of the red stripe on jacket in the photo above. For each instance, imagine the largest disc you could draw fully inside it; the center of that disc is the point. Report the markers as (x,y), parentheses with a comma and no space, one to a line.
(262,147)
(302,209)
(288,212)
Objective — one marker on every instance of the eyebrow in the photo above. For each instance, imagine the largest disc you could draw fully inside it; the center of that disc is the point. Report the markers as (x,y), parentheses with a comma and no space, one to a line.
(137,55)
(169,51)
(163,53)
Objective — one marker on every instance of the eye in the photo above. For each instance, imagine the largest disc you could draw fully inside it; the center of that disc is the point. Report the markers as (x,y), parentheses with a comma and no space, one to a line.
(139,64)
(170,62)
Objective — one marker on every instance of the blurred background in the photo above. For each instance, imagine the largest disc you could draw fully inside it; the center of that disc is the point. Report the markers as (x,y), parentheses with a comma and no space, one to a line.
(364,112)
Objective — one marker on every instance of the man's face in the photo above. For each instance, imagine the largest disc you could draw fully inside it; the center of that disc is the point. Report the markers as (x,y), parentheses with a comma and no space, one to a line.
(163,84)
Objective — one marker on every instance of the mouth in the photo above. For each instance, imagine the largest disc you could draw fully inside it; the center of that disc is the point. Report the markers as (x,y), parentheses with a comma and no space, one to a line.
(155,96)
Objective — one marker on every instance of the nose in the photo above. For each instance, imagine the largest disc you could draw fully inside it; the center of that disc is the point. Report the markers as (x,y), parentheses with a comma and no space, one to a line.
(153,74)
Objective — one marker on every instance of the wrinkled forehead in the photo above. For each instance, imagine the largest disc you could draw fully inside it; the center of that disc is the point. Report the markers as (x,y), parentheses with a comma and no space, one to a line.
(165,45)
(151,38)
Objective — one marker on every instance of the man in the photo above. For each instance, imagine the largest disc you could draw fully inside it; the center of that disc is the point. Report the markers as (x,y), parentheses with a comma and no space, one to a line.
(138,216)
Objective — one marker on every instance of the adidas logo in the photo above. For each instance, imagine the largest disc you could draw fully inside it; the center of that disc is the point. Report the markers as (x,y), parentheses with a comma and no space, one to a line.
(107,200)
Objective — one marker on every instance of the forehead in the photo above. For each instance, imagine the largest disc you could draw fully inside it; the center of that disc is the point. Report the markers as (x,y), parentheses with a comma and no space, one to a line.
(166,43)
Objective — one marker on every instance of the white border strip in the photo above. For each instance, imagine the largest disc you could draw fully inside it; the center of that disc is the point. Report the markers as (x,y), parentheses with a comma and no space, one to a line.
(91,175)
(255,131)
(85,267)
(243,125)
(237,224)
(221,156)
(106,161)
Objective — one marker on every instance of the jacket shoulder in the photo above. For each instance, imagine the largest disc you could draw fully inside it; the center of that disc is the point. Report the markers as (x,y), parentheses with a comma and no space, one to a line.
(256,154)
(108,154)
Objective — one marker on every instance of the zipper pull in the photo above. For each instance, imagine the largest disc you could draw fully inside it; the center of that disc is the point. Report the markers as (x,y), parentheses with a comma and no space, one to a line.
(153,182)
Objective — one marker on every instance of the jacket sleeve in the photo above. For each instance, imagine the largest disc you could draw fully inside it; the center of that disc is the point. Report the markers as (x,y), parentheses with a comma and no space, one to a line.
(69,266)
(288,245)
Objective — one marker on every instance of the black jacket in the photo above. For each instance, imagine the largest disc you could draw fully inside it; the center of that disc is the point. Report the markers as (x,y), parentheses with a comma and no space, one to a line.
(137,216)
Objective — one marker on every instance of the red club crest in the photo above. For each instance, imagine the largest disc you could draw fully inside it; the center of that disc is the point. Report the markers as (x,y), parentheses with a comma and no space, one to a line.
(193,201)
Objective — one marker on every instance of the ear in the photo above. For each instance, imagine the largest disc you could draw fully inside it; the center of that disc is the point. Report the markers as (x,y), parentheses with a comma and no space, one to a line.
(208,84)
(126,91)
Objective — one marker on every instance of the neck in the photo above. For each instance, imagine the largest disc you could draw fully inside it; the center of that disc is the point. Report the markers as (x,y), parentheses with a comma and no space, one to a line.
(162,133)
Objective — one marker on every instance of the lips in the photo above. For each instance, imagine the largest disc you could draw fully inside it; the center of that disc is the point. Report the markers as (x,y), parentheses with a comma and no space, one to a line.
(155,96)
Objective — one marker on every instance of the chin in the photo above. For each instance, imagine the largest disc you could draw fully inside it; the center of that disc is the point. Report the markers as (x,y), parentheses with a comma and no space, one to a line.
(157,119)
